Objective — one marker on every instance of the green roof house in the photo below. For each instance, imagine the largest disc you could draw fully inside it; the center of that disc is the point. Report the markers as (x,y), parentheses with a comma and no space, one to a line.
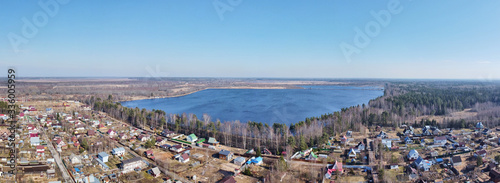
(212,141)
(192,138)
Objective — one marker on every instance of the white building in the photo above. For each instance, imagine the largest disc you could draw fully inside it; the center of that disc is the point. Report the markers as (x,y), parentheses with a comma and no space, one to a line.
(120,151)
(130,164)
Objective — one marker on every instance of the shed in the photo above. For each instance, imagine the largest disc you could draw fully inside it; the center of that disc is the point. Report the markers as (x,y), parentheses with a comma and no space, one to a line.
(225,155)
(239,160)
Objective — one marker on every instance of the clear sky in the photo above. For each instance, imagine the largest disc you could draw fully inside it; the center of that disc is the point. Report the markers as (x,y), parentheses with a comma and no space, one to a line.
(252,38)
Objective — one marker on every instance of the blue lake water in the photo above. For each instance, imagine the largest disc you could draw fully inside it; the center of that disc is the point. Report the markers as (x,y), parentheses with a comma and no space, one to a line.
(263,105)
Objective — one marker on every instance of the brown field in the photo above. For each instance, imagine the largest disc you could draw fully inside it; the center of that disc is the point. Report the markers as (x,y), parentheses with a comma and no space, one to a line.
(466,113)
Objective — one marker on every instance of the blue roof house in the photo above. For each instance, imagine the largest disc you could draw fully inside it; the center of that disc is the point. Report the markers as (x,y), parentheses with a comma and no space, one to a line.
(257,160)
(422,164)
(103,156)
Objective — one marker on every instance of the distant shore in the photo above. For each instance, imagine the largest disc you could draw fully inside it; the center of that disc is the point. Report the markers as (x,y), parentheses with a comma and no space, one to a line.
(133,98)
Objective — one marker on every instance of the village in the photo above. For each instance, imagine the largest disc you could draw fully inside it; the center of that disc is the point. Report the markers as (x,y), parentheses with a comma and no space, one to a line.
(67,141)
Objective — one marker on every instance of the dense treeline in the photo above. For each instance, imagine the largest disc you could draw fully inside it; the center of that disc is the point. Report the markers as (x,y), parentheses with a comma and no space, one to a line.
(134,116)
(400,104)
(440,101)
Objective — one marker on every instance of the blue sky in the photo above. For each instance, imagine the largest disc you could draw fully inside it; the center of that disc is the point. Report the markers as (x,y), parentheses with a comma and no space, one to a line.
(259,38)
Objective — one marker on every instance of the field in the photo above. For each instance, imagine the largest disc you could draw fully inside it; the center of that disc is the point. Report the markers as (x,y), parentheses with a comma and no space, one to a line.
(466,113)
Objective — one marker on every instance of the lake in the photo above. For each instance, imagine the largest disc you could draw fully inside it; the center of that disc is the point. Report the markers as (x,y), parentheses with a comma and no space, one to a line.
(263,105)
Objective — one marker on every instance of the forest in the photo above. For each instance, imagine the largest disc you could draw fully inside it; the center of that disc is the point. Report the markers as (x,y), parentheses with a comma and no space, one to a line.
(402,103)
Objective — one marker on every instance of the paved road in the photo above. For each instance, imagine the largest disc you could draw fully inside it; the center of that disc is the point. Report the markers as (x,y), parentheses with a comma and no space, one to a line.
(67,178)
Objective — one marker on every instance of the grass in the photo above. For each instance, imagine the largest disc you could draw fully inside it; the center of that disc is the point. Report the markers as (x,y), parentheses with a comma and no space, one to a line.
(113,162)
(352,179)
(181,141)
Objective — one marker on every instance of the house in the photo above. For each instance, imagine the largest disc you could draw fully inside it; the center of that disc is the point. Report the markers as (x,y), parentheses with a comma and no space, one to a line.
(213,141)
(239,161)
(192,138)
(228,179)
(148,153)
(30,127)
(492,166)
(76,144)
(408,140)
(387,143)
(312,157)
(34,141)
(382,135)
(436,131)
(101,127)
(131,164)
(159,139)
(86,107)
(167,133)
(103,156)
(361,146)
(155,172)
(225,155)
(486,131)
(479,125)
(91,179)
(111,132)
(56,125)
(456,160)
(343,140)
(74,159)
(183,158)
(123,136)
(481,153)
(494,176)
(80,127)
(441,140)
(348,134)
(267,151)
(143,138)
(422,164)
(95,123)
(257,161)
(408,131)
(394,166)
(119,151)
(331,169)
(177,148)
(352,153)
(426,130)
(90,132)
(434,153)
(4,116)
(40,150)
(413,155)
(60,143)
